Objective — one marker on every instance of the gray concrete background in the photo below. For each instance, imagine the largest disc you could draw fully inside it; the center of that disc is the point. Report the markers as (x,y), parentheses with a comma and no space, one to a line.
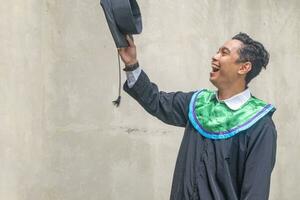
(60,135)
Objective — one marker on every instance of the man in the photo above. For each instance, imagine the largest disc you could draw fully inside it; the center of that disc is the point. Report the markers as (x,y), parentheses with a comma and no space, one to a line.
(229,145)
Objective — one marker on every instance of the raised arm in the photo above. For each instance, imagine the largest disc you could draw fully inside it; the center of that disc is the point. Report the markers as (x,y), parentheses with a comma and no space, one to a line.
(171,108)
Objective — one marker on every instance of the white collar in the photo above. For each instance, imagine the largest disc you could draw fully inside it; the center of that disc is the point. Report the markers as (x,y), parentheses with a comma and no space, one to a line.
(236,101)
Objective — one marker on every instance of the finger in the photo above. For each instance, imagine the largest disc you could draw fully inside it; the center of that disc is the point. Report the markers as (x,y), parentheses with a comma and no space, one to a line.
(130,40)
(120,50)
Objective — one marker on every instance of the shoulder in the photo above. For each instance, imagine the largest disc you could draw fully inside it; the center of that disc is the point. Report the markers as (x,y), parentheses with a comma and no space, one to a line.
(263,128)
(266,121)
(201,95)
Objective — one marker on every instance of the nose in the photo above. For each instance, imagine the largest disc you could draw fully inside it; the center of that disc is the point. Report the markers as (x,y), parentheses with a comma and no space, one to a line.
(216,57)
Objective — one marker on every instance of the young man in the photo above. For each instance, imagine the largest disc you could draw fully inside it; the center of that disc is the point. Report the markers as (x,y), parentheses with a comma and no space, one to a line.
(229,145)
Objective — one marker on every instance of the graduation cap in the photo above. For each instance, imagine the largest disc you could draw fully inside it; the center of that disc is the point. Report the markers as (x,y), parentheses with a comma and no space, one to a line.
(123,18)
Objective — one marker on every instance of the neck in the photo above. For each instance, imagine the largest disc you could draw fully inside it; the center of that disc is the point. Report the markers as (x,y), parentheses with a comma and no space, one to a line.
(226,93)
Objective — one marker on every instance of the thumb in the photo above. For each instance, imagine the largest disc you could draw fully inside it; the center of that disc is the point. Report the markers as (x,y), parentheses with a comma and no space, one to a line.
(130,40)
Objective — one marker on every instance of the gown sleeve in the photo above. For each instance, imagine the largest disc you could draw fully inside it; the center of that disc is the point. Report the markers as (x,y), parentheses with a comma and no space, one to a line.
(261,154)
(171,108)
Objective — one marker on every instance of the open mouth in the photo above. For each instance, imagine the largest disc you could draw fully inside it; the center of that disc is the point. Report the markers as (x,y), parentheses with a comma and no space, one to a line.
(215,68)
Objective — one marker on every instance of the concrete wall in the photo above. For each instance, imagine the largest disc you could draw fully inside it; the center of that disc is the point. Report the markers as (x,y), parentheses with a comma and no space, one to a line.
(60,135)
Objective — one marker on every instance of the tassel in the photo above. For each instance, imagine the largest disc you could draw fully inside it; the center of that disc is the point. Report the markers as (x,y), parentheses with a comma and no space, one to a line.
(118,100)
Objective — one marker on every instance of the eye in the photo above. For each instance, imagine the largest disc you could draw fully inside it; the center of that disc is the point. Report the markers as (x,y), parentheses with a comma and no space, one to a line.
(224,52)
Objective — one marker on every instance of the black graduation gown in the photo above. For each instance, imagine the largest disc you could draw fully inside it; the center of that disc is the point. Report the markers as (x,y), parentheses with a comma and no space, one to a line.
(237,168)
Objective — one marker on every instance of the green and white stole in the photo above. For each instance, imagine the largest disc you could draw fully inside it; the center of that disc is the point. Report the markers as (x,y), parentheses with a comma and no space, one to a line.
(215,120)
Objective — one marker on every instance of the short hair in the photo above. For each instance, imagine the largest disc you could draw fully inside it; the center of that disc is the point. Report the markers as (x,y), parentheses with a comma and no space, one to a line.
(253,52)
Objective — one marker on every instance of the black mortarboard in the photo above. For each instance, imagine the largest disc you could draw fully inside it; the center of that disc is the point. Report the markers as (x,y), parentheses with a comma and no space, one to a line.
(123,18)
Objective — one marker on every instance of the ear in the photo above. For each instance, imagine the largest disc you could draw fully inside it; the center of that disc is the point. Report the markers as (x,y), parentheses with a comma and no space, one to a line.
(245,68)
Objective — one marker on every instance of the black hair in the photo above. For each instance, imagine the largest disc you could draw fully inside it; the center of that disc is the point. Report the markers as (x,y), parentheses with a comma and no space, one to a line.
(253,52)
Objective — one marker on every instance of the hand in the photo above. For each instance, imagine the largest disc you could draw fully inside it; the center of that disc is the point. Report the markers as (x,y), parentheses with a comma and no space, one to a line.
(128,54)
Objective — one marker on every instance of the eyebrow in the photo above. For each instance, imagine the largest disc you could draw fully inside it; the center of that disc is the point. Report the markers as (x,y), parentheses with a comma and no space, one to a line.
(224,48)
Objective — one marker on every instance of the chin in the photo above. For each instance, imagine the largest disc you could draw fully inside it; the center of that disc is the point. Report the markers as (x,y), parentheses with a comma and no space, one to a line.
(214,82)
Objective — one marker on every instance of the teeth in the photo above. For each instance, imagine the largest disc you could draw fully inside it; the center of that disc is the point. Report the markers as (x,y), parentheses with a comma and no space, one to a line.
(215,68)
